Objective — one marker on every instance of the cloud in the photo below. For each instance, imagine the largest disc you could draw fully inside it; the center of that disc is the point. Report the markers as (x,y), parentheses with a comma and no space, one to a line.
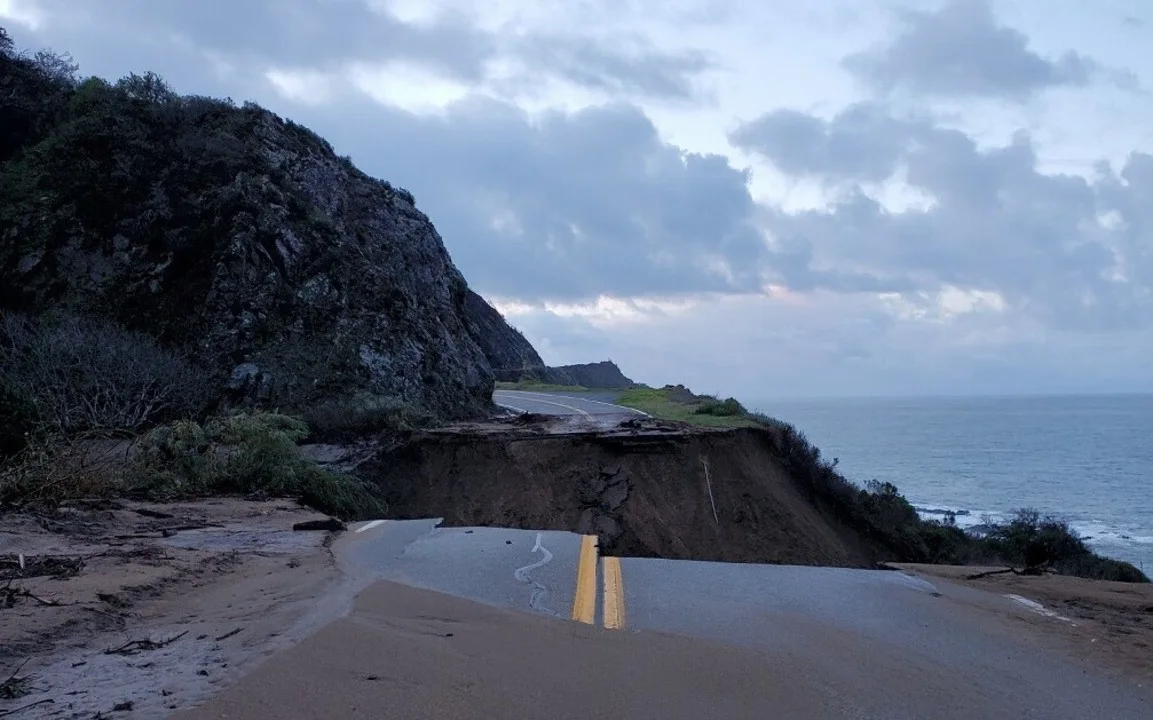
(863,142)
(327,35)
(827,344)
(929,259)
(563,205)
(961,50)
(1068,251)
(622,66)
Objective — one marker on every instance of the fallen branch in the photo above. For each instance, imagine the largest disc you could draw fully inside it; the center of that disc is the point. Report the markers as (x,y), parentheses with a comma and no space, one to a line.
(978,576)
(134,646)
(1031,570)
(227,635)
(23,567)
(9,595)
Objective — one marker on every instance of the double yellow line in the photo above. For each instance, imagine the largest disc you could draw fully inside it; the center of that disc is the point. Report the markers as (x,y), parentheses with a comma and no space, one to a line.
(584,606)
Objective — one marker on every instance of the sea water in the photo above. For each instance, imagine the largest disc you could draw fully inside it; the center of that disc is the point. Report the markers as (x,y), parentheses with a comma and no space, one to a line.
(1085,459)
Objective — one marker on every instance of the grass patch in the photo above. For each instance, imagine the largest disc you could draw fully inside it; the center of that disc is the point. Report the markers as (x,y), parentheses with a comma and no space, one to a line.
(676,403)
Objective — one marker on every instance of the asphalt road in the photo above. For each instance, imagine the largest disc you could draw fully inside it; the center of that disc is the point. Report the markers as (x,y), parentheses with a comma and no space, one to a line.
(557,404)
(877,644)
(516,569)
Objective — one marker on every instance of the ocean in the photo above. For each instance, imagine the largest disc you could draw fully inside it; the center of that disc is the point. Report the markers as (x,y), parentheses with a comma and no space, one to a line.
(1085,459)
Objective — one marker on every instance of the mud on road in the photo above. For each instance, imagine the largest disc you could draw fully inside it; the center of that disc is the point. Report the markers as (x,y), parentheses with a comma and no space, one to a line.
(144,608)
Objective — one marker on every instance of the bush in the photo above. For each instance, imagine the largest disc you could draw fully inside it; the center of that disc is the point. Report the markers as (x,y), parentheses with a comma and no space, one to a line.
(18,419)
(250,454)
(52,468)
(1037,543)
(361,416)
(721,408)
(82,374)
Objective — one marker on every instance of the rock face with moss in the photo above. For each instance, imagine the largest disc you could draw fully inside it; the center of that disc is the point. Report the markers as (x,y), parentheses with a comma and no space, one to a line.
(231,234)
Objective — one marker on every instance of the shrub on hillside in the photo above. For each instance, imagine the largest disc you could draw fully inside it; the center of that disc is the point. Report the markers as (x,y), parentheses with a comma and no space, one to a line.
(1038,543)
(251,454)
(80,374)
(357,417)
(720,408)
(882,515)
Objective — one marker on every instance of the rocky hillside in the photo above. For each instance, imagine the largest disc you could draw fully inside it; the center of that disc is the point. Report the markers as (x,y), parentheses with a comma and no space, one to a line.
(509,353)
(232,235)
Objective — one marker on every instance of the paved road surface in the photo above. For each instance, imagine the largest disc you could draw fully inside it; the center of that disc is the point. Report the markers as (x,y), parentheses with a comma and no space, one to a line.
(875,643)
(557,404)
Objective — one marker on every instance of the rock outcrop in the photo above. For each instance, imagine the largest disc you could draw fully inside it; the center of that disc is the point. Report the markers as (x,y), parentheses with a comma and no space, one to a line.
(600,375)
(514,359)
(509,354)
(235,236)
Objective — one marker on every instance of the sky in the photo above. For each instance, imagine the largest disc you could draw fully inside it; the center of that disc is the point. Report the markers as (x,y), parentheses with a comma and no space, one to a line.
(755,198)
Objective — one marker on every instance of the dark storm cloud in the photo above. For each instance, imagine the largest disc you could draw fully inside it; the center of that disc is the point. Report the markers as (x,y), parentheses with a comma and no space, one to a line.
(961,50)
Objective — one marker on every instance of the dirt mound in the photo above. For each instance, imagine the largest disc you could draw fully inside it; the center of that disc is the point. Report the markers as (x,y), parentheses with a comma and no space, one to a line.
(648,490)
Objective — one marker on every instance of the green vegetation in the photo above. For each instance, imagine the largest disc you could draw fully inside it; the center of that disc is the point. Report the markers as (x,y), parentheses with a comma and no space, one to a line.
(882,515)
(66,374)
(679,404)
(362,415)
(248,454)
(88,408)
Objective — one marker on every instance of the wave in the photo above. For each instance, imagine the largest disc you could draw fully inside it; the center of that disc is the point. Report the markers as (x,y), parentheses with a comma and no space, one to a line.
(1092,532)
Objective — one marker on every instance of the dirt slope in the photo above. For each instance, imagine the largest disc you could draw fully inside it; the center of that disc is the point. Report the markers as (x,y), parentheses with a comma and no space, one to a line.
(643,488)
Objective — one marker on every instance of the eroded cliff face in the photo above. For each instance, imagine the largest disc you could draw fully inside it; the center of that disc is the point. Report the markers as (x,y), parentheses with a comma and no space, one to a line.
(241,239)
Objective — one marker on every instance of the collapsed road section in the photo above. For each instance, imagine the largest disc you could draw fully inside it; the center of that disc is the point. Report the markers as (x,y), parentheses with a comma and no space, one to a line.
(646,488)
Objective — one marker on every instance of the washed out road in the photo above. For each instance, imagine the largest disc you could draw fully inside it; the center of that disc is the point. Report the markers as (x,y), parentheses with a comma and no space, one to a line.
(541,403)
(569,633)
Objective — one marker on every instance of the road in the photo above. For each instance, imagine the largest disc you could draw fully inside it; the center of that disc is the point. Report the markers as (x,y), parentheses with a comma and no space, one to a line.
(558,404)
(873,643)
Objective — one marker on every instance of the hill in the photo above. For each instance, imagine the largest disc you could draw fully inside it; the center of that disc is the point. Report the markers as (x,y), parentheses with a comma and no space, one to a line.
(230,236)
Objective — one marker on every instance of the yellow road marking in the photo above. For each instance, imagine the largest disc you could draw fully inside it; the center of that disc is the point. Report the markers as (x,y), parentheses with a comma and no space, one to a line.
(614,605)
(584,604)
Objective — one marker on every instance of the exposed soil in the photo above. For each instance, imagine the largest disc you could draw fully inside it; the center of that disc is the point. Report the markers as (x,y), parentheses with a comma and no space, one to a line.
(1108,622)
(647,488)
(147,608)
